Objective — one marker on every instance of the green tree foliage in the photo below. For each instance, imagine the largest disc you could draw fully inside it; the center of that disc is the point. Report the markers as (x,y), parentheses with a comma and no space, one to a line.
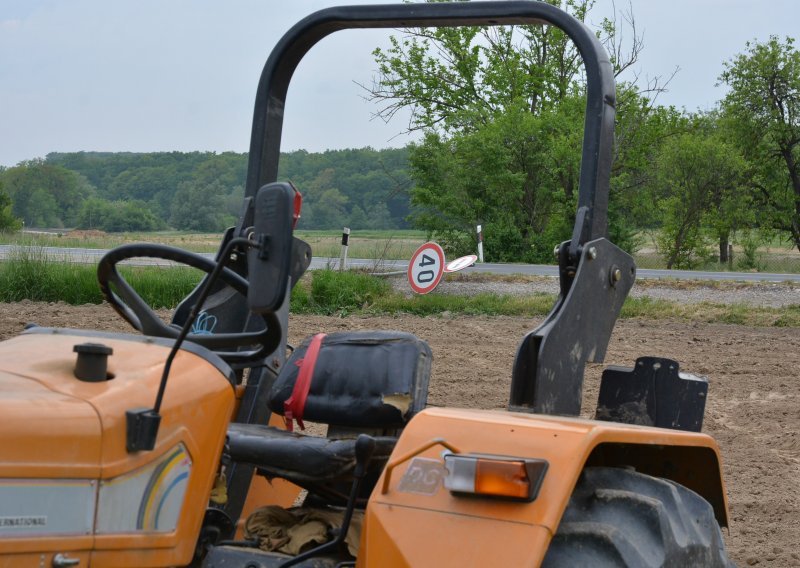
(502,109)
(698,185)
(200,207)
(763,110)
(361,188)
(371,187)
(44,194)
(8,222)
(117,216)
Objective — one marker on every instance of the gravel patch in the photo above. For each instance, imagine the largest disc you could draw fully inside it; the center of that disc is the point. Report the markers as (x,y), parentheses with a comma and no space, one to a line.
(761,295)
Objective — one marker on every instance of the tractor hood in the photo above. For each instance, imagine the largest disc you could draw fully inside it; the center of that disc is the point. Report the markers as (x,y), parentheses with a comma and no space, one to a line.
(57,432)
(55,425)
(64,466)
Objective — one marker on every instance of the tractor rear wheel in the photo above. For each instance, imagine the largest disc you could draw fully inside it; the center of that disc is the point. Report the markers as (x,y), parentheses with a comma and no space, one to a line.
(618,517)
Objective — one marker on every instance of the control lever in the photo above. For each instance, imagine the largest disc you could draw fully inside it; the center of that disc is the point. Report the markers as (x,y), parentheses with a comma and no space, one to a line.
(365,447)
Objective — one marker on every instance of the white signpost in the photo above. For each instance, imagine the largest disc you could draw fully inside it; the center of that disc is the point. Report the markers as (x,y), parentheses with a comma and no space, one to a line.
(480,243)
(426,268)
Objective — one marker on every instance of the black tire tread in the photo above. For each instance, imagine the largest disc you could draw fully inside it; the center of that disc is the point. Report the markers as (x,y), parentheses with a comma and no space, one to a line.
(618,517)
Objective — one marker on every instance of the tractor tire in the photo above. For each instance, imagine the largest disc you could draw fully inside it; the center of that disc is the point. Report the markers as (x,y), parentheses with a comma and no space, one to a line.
(618,517)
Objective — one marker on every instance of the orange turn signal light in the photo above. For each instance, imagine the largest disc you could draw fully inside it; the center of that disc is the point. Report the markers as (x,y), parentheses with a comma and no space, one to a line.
(494,476)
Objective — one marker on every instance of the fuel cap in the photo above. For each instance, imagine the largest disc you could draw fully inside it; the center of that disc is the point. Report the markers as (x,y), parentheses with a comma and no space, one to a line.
(92,363)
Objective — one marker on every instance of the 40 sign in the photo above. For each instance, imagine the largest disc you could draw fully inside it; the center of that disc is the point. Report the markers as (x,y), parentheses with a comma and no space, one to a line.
(426,268)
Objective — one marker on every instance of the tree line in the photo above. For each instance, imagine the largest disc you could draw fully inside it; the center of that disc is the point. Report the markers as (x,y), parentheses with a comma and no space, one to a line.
(200,191)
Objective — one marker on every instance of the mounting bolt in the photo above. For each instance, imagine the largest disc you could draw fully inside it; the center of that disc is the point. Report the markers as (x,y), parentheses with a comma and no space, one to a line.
(614,275)
(234,256)
(275,363)
(592,253)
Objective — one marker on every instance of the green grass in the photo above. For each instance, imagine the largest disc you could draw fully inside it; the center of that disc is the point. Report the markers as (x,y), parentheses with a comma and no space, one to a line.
(378,245)
(339,292)
(32,276)
(538,304)
(373,300)
(196,242)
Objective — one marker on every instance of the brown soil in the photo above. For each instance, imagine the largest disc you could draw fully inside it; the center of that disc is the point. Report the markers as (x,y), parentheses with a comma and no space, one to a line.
(753,409)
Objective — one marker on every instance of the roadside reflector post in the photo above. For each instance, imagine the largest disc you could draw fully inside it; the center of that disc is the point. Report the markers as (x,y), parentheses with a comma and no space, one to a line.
(343,255)
(480,243)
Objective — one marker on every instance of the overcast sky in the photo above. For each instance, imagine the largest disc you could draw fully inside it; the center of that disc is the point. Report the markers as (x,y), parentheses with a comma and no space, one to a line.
(160,75)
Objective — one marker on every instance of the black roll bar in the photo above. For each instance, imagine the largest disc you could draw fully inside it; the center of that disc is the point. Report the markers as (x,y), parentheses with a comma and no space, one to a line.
(548,370)
(591,217)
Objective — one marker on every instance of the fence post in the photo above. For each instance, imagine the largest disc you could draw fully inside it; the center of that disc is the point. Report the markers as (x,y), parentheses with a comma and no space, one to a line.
(343,254)
(480,244)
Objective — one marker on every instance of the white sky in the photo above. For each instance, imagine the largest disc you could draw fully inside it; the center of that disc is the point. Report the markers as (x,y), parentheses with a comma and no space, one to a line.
(160,75)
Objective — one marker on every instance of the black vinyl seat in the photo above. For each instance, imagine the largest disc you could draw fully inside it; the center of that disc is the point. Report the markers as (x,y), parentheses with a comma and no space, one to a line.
(366,381)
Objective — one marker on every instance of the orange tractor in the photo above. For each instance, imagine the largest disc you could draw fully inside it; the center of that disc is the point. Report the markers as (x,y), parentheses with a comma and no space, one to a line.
(175,446)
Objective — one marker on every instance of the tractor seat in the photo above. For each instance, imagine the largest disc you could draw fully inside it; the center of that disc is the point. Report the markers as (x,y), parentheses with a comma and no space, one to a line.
(355,382)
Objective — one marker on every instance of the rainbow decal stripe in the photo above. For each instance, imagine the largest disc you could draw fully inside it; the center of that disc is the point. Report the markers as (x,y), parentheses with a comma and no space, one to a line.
(163,496)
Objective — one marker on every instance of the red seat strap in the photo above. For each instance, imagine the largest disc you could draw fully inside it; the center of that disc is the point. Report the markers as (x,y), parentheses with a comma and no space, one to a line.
(295,405)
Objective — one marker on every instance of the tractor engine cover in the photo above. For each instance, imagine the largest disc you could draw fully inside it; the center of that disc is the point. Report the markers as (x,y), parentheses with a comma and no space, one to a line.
(67,484)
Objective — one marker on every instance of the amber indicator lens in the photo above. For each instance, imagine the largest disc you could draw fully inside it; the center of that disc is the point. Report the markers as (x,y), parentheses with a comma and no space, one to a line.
(502,478)
(494,476)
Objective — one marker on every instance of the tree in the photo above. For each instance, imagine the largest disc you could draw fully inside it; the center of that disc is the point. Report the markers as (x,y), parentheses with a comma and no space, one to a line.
(46,195)
(763,109)
(8,222)
(698,178)
(117,216)
(502,113)
(200,207)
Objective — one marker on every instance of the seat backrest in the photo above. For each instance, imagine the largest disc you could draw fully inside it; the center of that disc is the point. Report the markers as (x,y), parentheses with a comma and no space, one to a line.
(360,379)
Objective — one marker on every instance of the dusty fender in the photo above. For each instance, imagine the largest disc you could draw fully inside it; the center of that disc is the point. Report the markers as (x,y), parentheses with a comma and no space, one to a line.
(413,520)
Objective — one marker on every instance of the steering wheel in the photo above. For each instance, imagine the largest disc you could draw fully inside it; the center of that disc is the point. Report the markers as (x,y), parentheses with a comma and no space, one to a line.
(141,316)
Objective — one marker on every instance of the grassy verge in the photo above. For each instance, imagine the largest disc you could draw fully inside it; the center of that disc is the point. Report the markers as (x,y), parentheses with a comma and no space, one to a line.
(33,277)
(195,242)
(378,245)
(363,294)
(30,275)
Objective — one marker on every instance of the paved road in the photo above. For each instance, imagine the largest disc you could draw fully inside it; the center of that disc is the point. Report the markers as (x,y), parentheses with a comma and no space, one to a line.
(91,256)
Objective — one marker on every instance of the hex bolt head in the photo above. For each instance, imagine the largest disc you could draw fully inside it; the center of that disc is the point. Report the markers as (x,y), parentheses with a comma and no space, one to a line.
(614,275)
(592,252)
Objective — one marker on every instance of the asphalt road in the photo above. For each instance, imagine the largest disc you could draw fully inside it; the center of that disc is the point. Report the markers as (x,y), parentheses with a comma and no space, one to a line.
(91,256)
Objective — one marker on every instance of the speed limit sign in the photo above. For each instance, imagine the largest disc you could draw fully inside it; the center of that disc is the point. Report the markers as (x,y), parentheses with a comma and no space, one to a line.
(426,268)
